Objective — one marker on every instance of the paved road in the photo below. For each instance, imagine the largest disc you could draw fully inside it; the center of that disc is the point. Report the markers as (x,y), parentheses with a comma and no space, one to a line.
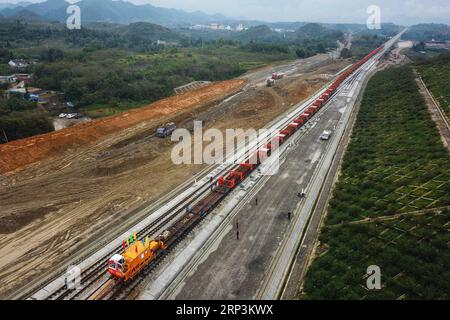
(303,256)
(236,268)
(295,67)
(153,211)
(274,284)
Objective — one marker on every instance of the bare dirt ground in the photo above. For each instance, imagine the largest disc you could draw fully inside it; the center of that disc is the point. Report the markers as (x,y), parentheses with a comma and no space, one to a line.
(64,204)
(396,56)
(19,153)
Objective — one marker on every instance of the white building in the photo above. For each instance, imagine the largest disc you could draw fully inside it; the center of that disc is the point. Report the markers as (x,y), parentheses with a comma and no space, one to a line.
(8,79)
(18,64)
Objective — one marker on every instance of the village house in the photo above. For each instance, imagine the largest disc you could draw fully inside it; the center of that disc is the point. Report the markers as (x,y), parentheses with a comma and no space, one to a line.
(48,99)
(18,64)
(25,77)
(8,79)
(438,44)
(14,78)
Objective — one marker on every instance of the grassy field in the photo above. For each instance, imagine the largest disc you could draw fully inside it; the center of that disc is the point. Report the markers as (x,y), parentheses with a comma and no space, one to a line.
(395,165)
(437,77)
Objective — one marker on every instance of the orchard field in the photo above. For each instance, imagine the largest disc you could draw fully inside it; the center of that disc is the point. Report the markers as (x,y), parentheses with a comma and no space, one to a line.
(390,204)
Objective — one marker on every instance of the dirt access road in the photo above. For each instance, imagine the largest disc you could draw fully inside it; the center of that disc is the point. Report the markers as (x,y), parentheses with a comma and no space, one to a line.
(259,76)
(64,206)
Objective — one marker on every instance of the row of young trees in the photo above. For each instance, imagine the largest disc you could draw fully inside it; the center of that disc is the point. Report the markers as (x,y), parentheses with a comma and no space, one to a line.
(411,252)
(395,148)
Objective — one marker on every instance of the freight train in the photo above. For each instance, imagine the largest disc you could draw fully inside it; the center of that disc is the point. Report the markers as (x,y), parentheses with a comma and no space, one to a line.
(139,254)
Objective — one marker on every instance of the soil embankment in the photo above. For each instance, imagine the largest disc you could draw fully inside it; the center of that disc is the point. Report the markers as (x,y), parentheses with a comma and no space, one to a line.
(17,154)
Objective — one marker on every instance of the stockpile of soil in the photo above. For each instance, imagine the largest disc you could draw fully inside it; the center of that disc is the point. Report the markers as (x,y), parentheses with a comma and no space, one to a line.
(19,153)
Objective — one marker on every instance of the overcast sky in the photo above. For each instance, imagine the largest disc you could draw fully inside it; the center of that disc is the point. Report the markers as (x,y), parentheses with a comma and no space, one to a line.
(398,11)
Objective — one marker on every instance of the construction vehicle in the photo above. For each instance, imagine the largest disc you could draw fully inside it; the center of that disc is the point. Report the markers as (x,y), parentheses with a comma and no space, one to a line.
(166,130)
(136,253)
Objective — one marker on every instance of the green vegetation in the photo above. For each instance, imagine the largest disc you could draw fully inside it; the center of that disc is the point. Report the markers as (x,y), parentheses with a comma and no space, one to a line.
(107,76)
(421,56)
(436,74)
(105,110)
(306,41)
(411,251)
(363,44)
(107,68)
(20,118)
(110,76)
(139,36)
(426,32)
(395,164)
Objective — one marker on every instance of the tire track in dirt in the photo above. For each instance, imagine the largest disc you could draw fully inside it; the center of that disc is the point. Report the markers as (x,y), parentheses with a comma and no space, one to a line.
(19,153)
(90,205)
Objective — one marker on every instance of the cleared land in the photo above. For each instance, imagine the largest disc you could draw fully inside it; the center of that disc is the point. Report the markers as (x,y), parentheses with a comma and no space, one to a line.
(394,167)
(22,152)
(67,204)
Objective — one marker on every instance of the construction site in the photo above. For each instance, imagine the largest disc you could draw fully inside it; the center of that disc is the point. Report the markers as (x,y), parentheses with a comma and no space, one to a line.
(223,159)
(66,194)
(100,210)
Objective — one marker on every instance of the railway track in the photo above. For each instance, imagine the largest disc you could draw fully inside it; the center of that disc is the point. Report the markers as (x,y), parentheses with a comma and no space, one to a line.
(347,83)
(212,242)
(281,269)
(96,271)
(96,274)
(125,289)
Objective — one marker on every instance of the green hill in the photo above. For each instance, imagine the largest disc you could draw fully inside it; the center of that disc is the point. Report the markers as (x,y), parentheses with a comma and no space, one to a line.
(261,33)
(427,32)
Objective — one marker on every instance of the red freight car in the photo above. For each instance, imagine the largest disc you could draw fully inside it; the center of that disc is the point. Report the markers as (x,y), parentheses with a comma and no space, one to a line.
(125,266)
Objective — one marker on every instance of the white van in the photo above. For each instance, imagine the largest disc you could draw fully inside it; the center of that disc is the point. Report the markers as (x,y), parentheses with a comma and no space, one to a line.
(325,135)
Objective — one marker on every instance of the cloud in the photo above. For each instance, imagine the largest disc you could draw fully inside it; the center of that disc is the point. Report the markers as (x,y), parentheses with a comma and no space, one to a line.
(315,10)
(398,11)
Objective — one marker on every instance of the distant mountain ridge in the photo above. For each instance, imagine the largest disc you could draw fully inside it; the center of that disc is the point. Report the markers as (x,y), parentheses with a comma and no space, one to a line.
(114,12)
(427,32)
(13,5)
